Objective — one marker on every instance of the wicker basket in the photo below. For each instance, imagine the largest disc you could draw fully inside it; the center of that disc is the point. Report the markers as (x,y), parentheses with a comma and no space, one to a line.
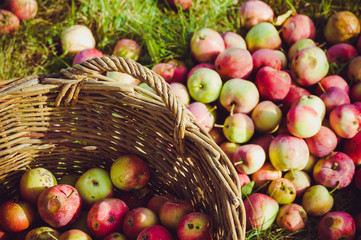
(79,119)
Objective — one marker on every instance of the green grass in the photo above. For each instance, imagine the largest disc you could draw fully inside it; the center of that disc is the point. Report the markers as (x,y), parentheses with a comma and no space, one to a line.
(163,33)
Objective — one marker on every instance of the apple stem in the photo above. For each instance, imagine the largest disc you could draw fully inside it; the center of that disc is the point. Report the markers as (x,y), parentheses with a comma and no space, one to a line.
(28,167)
(70,193)
(232,109)
(320,85)
(238,163)
(52,236)
(338,184)
(334,166)
(280,105)
(292,173)
(212,109)
(218,125)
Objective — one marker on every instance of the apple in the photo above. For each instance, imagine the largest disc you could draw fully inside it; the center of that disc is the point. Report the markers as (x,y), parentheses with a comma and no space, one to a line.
(200,65)
(282,190)
(309,66)
(165,70)
(123,78)
(273,84)
(312,159)
(77,38)
(355,93)
(283,57)
(234,63)
(354,70)
(106,216)
(299,45)
(137,220)
(42,233)
(127,48)
(314,102)
(341,53)
(233,40)
(266,117)
(266,57)
(238,128)
(255,12)
(243,179)
(86,54)
(202,114)
(317,200)
(93,185)
(16,216)
(115,236)
(266,174)
(206,44)
(180,70)
(342,26)
(216,134)
(352,147)
(261,211)
(288,152)
(181,91)
(33,182)
(23,9)
(336,169)
(155,232)
(239,95)
(249,158)
(336,225)
(195,226)
(172,212)
(204,85)
(303,121)
(292,217)
(323,143)
(157,201)
(263,35)
(300,179)
(60,205)
(298,27)
(9,22)
(332,81)
(229,148)
(74,234)
(129,172)
(183,4)
(333,97)
(345,120)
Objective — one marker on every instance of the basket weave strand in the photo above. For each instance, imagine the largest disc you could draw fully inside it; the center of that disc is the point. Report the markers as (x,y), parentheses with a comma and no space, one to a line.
(79,119)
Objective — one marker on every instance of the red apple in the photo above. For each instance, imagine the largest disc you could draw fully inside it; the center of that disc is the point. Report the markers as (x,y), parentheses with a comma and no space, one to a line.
(60,205)
(298,27)
(9,22)
(172,212)
(249,158)
(206,44)
(333,97)
(155,232)
(165,70)
(355,93)
(157,201)
(323,143)
(86,54)
(106,216)
(180,70)
(293,95)
(261,211)
(137,220)
(16,216)
(243,179)
(332,81)
(195,226)
(266,174)
(264,141)
(334,170)
(23,9)
(352,147)
(129,172)
(266,57)
(203,116)
(341,53)
(345,120)
(255,12)
(336,225)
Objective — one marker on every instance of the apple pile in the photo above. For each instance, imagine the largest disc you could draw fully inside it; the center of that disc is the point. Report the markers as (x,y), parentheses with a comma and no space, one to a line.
(16,11)
(98,204)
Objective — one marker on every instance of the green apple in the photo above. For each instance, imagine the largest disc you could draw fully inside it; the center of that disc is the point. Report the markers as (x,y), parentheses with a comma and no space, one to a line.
(94,185)
(317,200)
(204,85)
(238,128)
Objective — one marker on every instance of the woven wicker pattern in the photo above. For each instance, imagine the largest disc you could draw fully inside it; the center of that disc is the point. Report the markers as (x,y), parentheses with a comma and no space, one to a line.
(79,119)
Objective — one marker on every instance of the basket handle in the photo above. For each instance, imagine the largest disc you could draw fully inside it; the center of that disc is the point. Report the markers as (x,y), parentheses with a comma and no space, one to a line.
(96,66)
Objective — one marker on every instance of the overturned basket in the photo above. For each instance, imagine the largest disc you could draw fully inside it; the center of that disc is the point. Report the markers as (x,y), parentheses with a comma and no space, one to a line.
(79,119)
